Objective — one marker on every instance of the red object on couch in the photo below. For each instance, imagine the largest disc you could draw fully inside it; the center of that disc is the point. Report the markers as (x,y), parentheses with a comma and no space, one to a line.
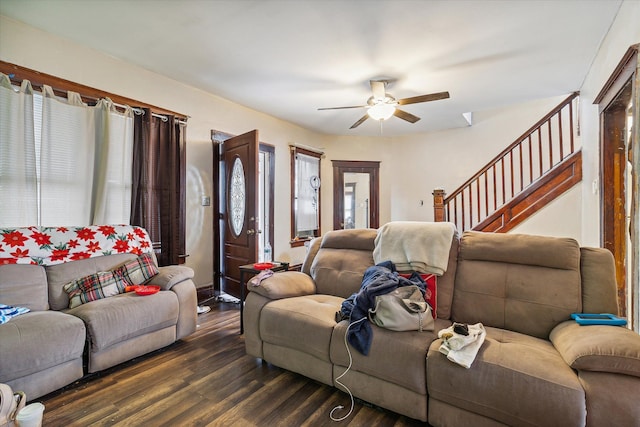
(431,293)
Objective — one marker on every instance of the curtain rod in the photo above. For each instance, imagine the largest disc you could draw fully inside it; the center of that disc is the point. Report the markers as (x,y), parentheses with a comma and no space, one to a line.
(319,150)
(139,111)
(63,93)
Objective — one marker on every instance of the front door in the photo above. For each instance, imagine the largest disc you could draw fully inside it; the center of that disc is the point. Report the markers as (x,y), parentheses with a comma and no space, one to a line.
(238,224)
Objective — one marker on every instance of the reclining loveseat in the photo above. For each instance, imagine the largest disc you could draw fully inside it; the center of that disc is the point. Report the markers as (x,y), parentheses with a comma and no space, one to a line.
(536,366)
(66,335)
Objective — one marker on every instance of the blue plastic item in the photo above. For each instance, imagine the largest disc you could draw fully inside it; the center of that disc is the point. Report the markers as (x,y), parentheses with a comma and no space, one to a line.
(584,319)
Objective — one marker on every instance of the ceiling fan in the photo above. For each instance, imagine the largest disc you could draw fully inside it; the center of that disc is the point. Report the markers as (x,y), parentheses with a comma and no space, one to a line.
(381,105)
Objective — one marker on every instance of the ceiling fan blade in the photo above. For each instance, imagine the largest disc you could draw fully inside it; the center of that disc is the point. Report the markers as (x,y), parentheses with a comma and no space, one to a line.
(378,89)
(424,98)
(359,122)
(342,108)
(406,116)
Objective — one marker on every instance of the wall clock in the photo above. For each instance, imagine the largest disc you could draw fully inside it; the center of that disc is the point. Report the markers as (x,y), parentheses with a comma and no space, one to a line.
(315,182)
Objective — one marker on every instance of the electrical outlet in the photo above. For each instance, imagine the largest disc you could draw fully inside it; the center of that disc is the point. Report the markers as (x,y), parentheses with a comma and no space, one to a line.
(206,201)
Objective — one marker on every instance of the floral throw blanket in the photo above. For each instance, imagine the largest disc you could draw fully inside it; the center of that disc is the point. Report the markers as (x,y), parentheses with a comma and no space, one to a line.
(55,245)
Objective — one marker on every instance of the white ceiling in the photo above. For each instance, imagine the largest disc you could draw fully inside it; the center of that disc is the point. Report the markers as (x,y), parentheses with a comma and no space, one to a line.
(287,58)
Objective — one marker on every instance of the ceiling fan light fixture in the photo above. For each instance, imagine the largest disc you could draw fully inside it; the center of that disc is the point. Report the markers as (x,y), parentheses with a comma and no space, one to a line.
(381,111)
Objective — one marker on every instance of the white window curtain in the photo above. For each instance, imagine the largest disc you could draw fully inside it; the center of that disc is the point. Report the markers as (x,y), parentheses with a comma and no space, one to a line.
(84,157)
(18,179)
(307,197)
(115,160)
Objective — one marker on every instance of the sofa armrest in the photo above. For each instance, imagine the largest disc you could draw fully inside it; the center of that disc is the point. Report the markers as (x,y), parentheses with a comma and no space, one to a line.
(599,348)
(286,284)
(171,275)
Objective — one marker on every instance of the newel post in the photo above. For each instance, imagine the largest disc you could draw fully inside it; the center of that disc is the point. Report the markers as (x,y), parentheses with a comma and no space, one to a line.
(438,205)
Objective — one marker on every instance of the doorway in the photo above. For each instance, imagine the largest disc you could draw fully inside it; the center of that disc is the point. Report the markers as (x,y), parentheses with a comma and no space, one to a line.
(619,163)
(243,200)
(355,194)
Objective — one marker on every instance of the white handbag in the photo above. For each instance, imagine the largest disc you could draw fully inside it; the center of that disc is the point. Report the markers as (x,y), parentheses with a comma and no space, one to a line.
(403,309)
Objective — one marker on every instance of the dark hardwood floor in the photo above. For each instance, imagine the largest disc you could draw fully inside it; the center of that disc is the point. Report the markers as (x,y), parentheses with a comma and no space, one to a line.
(205,380)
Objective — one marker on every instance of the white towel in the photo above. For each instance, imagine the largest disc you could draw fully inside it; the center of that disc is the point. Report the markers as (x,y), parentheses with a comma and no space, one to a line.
(462,349)
(412,245)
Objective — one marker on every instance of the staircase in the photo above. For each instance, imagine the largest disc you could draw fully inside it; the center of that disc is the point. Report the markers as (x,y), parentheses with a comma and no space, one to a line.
(536,168)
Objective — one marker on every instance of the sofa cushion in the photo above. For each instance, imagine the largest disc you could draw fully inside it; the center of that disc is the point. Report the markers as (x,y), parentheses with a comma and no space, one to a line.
(599,348)
(60,274)
(612,399)
(170,275)
(340,262)
(312,249)
(447,280)
(286,284)
(303,323)
(599,288)
(24,286)
(39,340)
(395,357)
(523,283)
(124,316)
(515,379)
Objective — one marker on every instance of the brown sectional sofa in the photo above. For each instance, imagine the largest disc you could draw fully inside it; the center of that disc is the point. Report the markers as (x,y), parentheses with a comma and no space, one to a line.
(51,346)
(536,367)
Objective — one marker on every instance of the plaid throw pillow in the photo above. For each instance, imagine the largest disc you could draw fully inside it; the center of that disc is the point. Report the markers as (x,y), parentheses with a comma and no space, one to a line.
(138,271)
(105,284)
(100,285)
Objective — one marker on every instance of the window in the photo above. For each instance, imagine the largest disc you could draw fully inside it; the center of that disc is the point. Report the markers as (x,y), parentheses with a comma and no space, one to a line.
(60,148)
(266,172)
(305,195)
(112,179)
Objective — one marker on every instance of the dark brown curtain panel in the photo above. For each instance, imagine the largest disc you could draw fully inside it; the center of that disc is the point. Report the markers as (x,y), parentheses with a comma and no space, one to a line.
(159,179)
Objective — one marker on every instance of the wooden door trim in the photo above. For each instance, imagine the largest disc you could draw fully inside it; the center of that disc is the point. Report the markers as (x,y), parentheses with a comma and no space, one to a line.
(612,170)
(623,72)
(217,139)
(356,166)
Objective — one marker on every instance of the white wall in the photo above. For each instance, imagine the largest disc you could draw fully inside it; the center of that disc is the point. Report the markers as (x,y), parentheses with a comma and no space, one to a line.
(411,166)
(32,48)
(560,218)
(623,33)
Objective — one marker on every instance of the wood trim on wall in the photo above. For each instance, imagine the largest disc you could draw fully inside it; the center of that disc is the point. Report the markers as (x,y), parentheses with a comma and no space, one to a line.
(295,242)
(356,166)
(545,190)
(612,101)
(623,71)
(60,87)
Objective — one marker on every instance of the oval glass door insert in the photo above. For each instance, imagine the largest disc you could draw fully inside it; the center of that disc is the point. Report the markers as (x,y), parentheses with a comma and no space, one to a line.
(237,197)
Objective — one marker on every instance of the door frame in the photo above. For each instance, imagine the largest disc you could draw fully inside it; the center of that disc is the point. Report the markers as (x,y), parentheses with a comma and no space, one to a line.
(613,157)
(219,193)
(340,167)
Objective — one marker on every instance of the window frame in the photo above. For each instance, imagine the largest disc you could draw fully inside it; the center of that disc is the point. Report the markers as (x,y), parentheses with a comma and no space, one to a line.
(295,239)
